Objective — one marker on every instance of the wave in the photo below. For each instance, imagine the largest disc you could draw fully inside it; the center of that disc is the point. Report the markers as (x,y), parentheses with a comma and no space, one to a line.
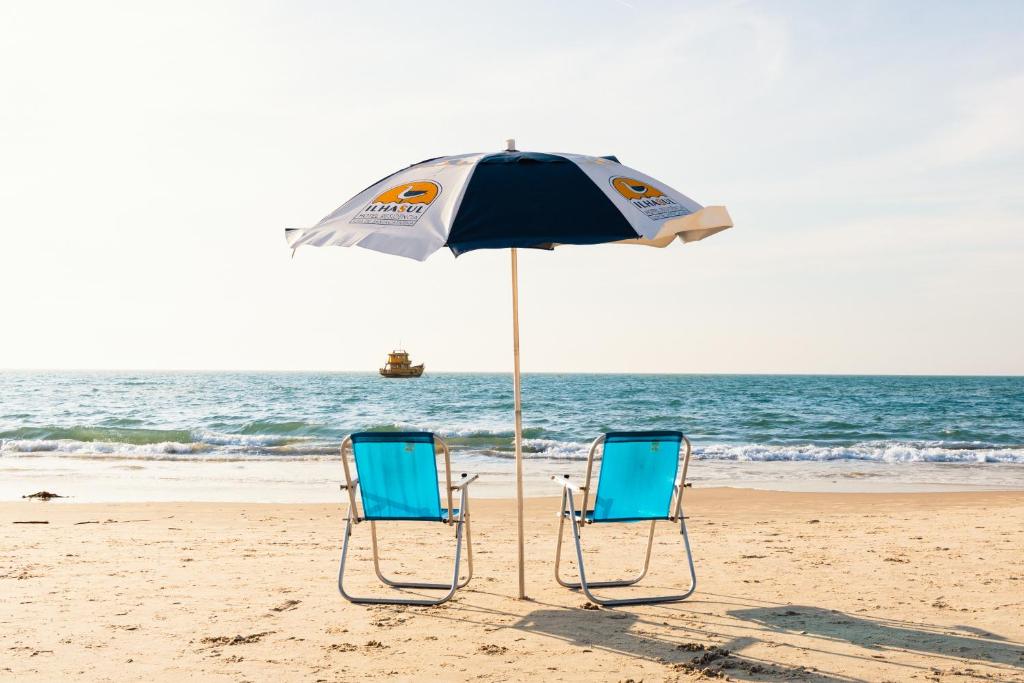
(109,434)
(254,441)
(871,451)
(268,427)
(155,443)
(452,432)
(297,440)
(168,450)
(882,452)
(264,437)
(68,446)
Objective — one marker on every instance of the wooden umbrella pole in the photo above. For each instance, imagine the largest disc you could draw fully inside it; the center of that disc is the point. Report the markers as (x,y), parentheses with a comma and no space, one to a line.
(519,421)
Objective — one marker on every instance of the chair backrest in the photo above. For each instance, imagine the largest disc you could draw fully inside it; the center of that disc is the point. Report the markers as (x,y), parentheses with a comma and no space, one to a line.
(638,476)
(397,474)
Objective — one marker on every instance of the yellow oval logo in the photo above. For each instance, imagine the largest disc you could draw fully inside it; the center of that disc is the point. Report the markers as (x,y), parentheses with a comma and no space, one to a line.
(400,205)
(416,192)
(647,199)
(635,189)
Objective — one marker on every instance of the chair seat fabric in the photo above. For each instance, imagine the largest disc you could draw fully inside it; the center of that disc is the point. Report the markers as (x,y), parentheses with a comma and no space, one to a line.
(442,518)
(590,518)
(397,475)
(638,476)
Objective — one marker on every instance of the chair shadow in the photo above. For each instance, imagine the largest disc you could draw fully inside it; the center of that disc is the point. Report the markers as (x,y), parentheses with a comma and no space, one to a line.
(622,633)
(981,646)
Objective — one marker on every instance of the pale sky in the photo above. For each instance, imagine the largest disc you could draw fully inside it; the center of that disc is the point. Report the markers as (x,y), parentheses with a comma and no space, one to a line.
(871,156)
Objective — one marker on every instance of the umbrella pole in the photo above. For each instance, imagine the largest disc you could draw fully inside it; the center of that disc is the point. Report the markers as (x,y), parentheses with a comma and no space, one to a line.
(519,421)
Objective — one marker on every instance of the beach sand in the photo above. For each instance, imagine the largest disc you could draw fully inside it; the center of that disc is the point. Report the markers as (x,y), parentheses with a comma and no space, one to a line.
(831,587)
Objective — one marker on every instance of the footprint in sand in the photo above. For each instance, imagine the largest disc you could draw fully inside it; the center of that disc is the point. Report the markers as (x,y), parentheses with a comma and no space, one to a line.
(286,606)
(237,640)
(342,647)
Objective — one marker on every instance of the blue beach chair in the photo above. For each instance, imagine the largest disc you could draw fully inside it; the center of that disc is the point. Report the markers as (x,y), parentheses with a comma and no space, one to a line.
(397,480)
(638,482)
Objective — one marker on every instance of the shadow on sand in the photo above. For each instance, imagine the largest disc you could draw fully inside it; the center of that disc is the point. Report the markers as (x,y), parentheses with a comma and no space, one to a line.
(684,649)
(958,642)
(685,645)
(623,633)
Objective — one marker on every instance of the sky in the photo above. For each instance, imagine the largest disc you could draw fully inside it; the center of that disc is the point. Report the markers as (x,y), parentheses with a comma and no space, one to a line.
(871,155)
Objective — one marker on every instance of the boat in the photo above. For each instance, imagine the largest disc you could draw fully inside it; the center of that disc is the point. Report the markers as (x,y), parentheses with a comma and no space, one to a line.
(398,365)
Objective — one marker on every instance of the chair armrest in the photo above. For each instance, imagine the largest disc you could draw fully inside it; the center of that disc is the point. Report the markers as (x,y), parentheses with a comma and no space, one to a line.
(466,481)
(677,499)
(355,484)
(568,483)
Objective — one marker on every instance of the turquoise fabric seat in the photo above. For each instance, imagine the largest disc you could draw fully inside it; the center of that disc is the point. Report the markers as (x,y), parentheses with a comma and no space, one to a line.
(397,474)
(638,476)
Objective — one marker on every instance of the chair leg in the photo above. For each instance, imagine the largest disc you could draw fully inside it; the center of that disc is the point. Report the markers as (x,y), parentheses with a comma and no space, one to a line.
(558,545)
(450,587)
(403,584)
(587,585)
(599,584)
(469,542)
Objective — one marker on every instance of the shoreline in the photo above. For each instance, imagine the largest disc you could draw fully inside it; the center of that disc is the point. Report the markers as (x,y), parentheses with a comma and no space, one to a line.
(807,586)
(741,500)
(942,498)
(111,480)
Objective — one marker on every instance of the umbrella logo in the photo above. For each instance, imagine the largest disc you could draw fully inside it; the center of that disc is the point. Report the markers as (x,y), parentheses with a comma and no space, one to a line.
(635,189)
(648,199)
(401,205)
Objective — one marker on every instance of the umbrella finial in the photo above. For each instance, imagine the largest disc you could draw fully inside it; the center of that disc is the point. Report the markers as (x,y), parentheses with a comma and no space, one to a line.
(510,145)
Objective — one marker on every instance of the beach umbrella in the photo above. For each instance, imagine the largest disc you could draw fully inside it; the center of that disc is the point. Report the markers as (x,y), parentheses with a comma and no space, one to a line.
(508,200)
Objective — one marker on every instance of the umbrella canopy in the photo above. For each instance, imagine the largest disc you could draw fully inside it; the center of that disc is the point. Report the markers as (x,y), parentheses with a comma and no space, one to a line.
(508,200)
(512,199)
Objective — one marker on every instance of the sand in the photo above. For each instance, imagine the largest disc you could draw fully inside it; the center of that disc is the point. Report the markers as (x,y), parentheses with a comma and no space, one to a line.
(829,587)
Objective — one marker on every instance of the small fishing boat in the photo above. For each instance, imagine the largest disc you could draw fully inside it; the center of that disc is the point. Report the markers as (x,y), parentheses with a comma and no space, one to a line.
(398,365)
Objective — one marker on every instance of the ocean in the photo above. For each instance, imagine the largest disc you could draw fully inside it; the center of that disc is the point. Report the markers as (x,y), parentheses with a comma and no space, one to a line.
(101,436)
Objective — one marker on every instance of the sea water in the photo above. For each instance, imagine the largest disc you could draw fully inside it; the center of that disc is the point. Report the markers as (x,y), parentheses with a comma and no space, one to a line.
(99,436)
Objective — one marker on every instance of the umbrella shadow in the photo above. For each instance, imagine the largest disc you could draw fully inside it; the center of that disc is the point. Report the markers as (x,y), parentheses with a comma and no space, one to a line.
(963,643)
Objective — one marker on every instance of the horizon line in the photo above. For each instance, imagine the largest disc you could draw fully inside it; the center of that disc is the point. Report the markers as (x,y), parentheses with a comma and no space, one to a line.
(524,372)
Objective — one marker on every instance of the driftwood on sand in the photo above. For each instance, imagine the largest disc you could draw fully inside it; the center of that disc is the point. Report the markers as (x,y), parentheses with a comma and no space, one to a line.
(43,495)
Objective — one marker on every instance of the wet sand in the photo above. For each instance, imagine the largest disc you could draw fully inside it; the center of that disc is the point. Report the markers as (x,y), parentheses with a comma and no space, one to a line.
(791,586)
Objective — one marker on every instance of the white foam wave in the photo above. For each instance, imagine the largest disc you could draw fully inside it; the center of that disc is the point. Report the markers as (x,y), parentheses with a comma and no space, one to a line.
(497,430)
(243,440)
(166,452)
(212,446)
(556,450)
(884,452)
(27,445)
(70,447)
(226,447)
(452,431)
(887,452)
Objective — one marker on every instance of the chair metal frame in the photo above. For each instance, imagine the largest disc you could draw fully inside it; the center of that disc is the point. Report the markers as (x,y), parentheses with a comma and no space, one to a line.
(462,519)
(578,520)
